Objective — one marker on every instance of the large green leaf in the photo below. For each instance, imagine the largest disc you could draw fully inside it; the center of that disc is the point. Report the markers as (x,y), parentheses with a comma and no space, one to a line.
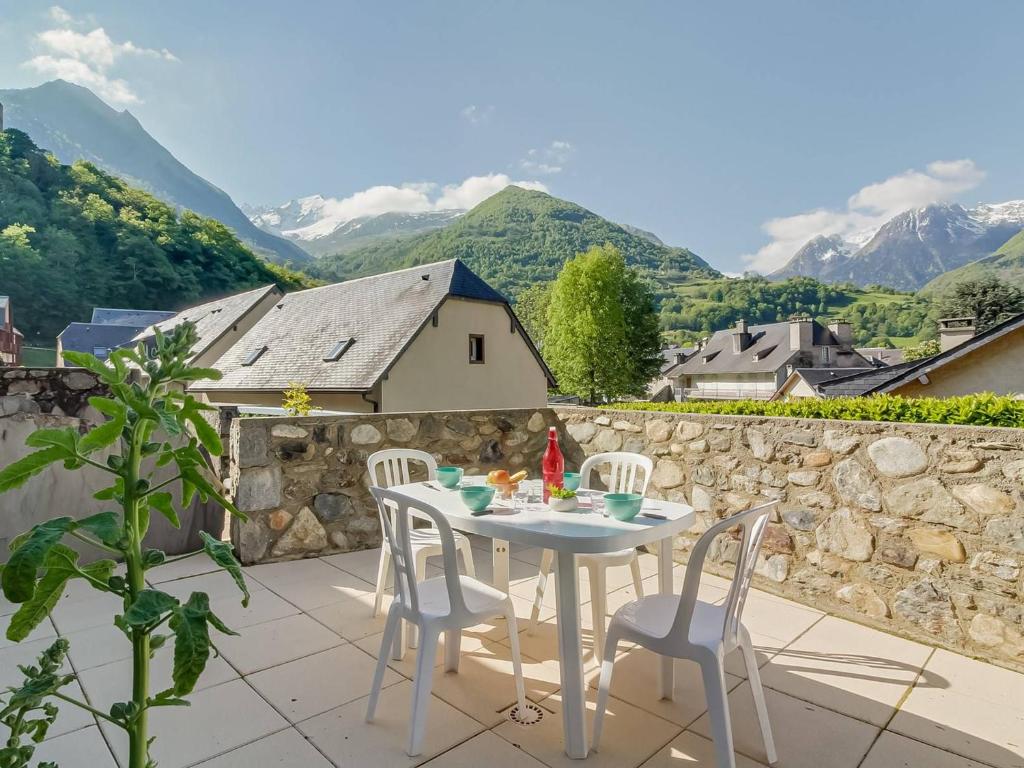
(191,642)
(162,502)
(91,363)
(148,607)
(66,438)
(19,577)
(105,526)
(105,405)
(197,374)
(207,434)
(102,436)
(14,475)
(223,555)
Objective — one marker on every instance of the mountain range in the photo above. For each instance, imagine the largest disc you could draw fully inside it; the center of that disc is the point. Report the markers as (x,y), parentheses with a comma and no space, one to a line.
(74,124)
(514,239)
(912,248)
(316,227)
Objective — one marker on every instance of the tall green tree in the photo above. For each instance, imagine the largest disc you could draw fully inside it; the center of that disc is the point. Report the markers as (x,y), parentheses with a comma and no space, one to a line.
(601,327)
(988,300)
(532,310)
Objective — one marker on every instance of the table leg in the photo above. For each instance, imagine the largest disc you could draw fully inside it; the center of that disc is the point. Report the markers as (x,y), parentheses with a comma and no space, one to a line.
(570,654)
(666,679)
(499,562)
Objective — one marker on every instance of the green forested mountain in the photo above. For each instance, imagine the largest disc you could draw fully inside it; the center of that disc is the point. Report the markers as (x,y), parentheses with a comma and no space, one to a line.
(74,237)
(879,316)
(1006,263)
(515,239)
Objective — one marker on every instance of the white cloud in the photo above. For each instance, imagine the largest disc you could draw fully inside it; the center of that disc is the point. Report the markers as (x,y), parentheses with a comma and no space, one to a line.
(548,160)
(866,210)
(476,114)
(415,197)
(87,58)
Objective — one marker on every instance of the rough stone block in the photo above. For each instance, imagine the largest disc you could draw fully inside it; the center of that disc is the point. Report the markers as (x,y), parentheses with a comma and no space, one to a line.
(857,486)
(938,542)
(898,457)
(258,488)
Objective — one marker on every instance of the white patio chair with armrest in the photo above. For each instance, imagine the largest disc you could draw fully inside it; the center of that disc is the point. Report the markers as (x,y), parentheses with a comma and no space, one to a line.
(391,467)
(684,627)
(628,473)
(448,603)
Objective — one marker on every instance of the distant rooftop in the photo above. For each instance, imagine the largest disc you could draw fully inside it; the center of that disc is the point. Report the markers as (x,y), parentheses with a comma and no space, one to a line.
(136,317)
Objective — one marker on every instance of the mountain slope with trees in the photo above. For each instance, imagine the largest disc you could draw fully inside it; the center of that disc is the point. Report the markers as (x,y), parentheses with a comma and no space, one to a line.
(75,237)
(514,239)
(1007,264)
(74,124)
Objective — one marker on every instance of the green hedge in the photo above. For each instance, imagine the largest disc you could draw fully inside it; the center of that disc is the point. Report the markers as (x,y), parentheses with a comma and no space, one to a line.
(983,410)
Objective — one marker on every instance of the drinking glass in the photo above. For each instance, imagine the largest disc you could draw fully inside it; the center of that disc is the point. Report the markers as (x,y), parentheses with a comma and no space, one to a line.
(521,497)
(597,500)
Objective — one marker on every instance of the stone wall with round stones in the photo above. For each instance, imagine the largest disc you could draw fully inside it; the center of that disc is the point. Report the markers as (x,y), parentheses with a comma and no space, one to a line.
(303,481)
(915,528)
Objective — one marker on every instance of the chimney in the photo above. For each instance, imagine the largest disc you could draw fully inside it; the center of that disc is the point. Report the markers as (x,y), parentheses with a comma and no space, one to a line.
(740,337)
(842,330)
(680,358)
(801,333)
(954,331)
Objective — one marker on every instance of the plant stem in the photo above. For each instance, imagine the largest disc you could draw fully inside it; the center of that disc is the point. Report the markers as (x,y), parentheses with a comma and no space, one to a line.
(170,560)
(94,543)
(87,708)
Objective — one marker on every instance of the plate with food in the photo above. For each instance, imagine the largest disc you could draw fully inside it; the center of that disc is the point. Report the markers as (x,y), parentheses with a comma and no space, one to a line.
(504,483)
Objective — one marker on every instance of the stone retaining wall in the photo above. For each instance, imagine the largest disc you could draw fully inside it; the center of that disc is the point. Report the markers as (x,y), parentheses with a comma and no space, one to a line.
(304,484)
(916,529)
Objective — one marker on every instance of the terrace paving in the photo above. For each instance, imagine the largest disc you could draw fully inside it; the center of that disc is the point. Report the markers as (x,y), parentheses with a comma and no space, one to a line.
(291,690)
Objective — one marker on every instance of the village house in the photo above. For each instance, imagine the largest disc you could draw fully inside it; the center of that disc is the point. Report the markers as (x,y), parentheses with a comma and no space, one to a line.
(10,337)
(432,337)
(754,361)
(108,329)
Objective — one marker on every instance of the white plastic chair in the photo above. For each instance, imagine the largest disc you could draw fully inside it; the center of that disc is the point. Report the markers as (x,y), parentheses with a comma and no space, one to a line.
(684,627)
(448,604)
(628,473)
(391,467)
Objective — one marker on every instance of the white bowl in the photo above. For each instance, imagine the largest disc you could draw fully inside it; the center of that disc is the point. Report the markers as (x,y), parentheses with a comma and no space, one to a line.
(563,505)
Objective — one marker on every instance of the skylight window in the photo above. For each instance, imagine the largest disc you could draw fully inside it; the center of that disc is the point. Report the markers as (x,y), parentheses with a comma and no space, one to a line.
(338,350)
(255,355)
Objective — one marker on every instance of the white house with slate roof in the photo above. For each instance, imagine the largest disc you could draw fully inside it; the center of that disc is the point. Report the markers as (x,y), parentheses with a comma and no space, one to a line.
(432,337)
(753,362)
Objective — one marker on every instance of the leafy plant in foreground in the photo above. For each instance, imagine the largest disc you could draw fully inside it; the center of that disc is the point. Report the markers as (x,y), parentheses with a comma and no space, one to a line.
(297,400)
(147,394)
(26,713)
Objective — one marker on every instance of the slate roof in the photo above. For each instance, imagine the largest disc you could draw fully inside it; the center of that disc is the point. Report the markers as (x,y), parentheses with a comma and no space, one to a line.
(214,318)
(910,371)
(768,351)
(382,313)
(883,355)
(669,356)
(137,317)
(84,337)
(816,376)
(862,383)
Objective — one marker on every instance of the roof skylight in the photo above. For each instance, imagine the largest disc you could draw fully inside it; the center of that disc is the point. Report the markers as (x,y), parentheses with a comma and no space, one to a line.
(255,355)
(338,350)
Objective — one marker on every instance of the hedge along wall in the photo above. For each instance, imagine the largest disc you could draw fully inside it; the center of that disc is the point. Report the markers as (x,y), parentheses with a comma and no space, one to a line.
(914,528)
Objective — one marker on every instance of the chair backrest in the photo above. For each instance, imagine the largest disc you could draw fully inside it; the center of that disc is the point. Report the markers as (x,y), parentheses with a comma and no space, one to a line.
(396,511)
(752,525)
(628,472)
(391,466)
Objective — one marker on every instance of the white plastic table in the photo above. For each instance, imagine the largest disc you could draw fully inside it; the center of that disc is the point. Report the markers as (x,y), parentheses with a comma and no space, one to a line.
(568,534)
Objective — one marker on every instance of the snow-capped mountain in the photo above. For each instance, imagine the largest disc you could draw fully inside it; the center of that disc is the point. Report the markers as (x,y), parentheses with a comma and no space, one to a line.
(911,248)
(314,224)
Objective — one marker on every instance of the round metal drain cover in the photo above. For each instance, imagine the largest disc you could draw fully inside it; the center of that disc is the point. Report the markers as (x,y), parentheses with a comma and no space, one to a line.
(530,714)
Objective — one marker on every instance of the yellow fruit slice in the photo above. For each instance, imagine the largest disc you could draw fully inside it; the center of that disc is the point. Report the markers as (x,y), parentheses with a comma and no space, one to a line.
(518,476)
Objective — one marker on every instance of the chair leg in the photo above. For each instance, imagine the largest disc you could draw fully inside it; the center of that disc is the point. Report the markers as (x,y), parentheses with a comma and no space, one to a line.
(422,684)
(713,673)
(517,660)
(598,606)
(382,661)
(754,675)
(638,582)
(382,576)
(467,558)
(546,560)
(452,649)
(605,684)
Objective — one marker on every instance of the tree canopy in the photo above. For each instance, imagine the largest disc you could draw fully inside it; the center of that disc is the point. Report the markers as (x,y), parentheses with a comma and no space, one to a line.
(73,238)
(988,300)
(601,336)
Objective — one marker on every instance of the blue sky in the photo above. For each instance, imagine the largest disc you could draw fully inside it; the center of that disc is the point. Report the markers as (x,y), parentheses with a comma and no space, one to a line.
(736,129)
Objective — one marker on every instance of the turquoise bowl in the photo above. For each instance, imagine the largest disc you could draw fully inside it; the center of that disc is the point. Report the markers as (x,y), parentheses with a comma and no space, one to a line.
(477,497)
(571,481)
(449,477)
(623,506)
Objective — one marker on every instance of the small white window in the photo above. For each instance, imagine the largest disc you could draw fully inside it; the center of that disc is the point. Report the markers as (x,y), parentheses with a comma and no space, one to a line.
(101,352)
(826,354)
(476,349)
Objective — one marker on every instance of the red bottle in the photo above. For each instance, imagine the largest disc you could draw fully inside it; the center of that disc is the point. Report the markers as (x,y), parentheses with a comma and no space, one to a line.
(553,465)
